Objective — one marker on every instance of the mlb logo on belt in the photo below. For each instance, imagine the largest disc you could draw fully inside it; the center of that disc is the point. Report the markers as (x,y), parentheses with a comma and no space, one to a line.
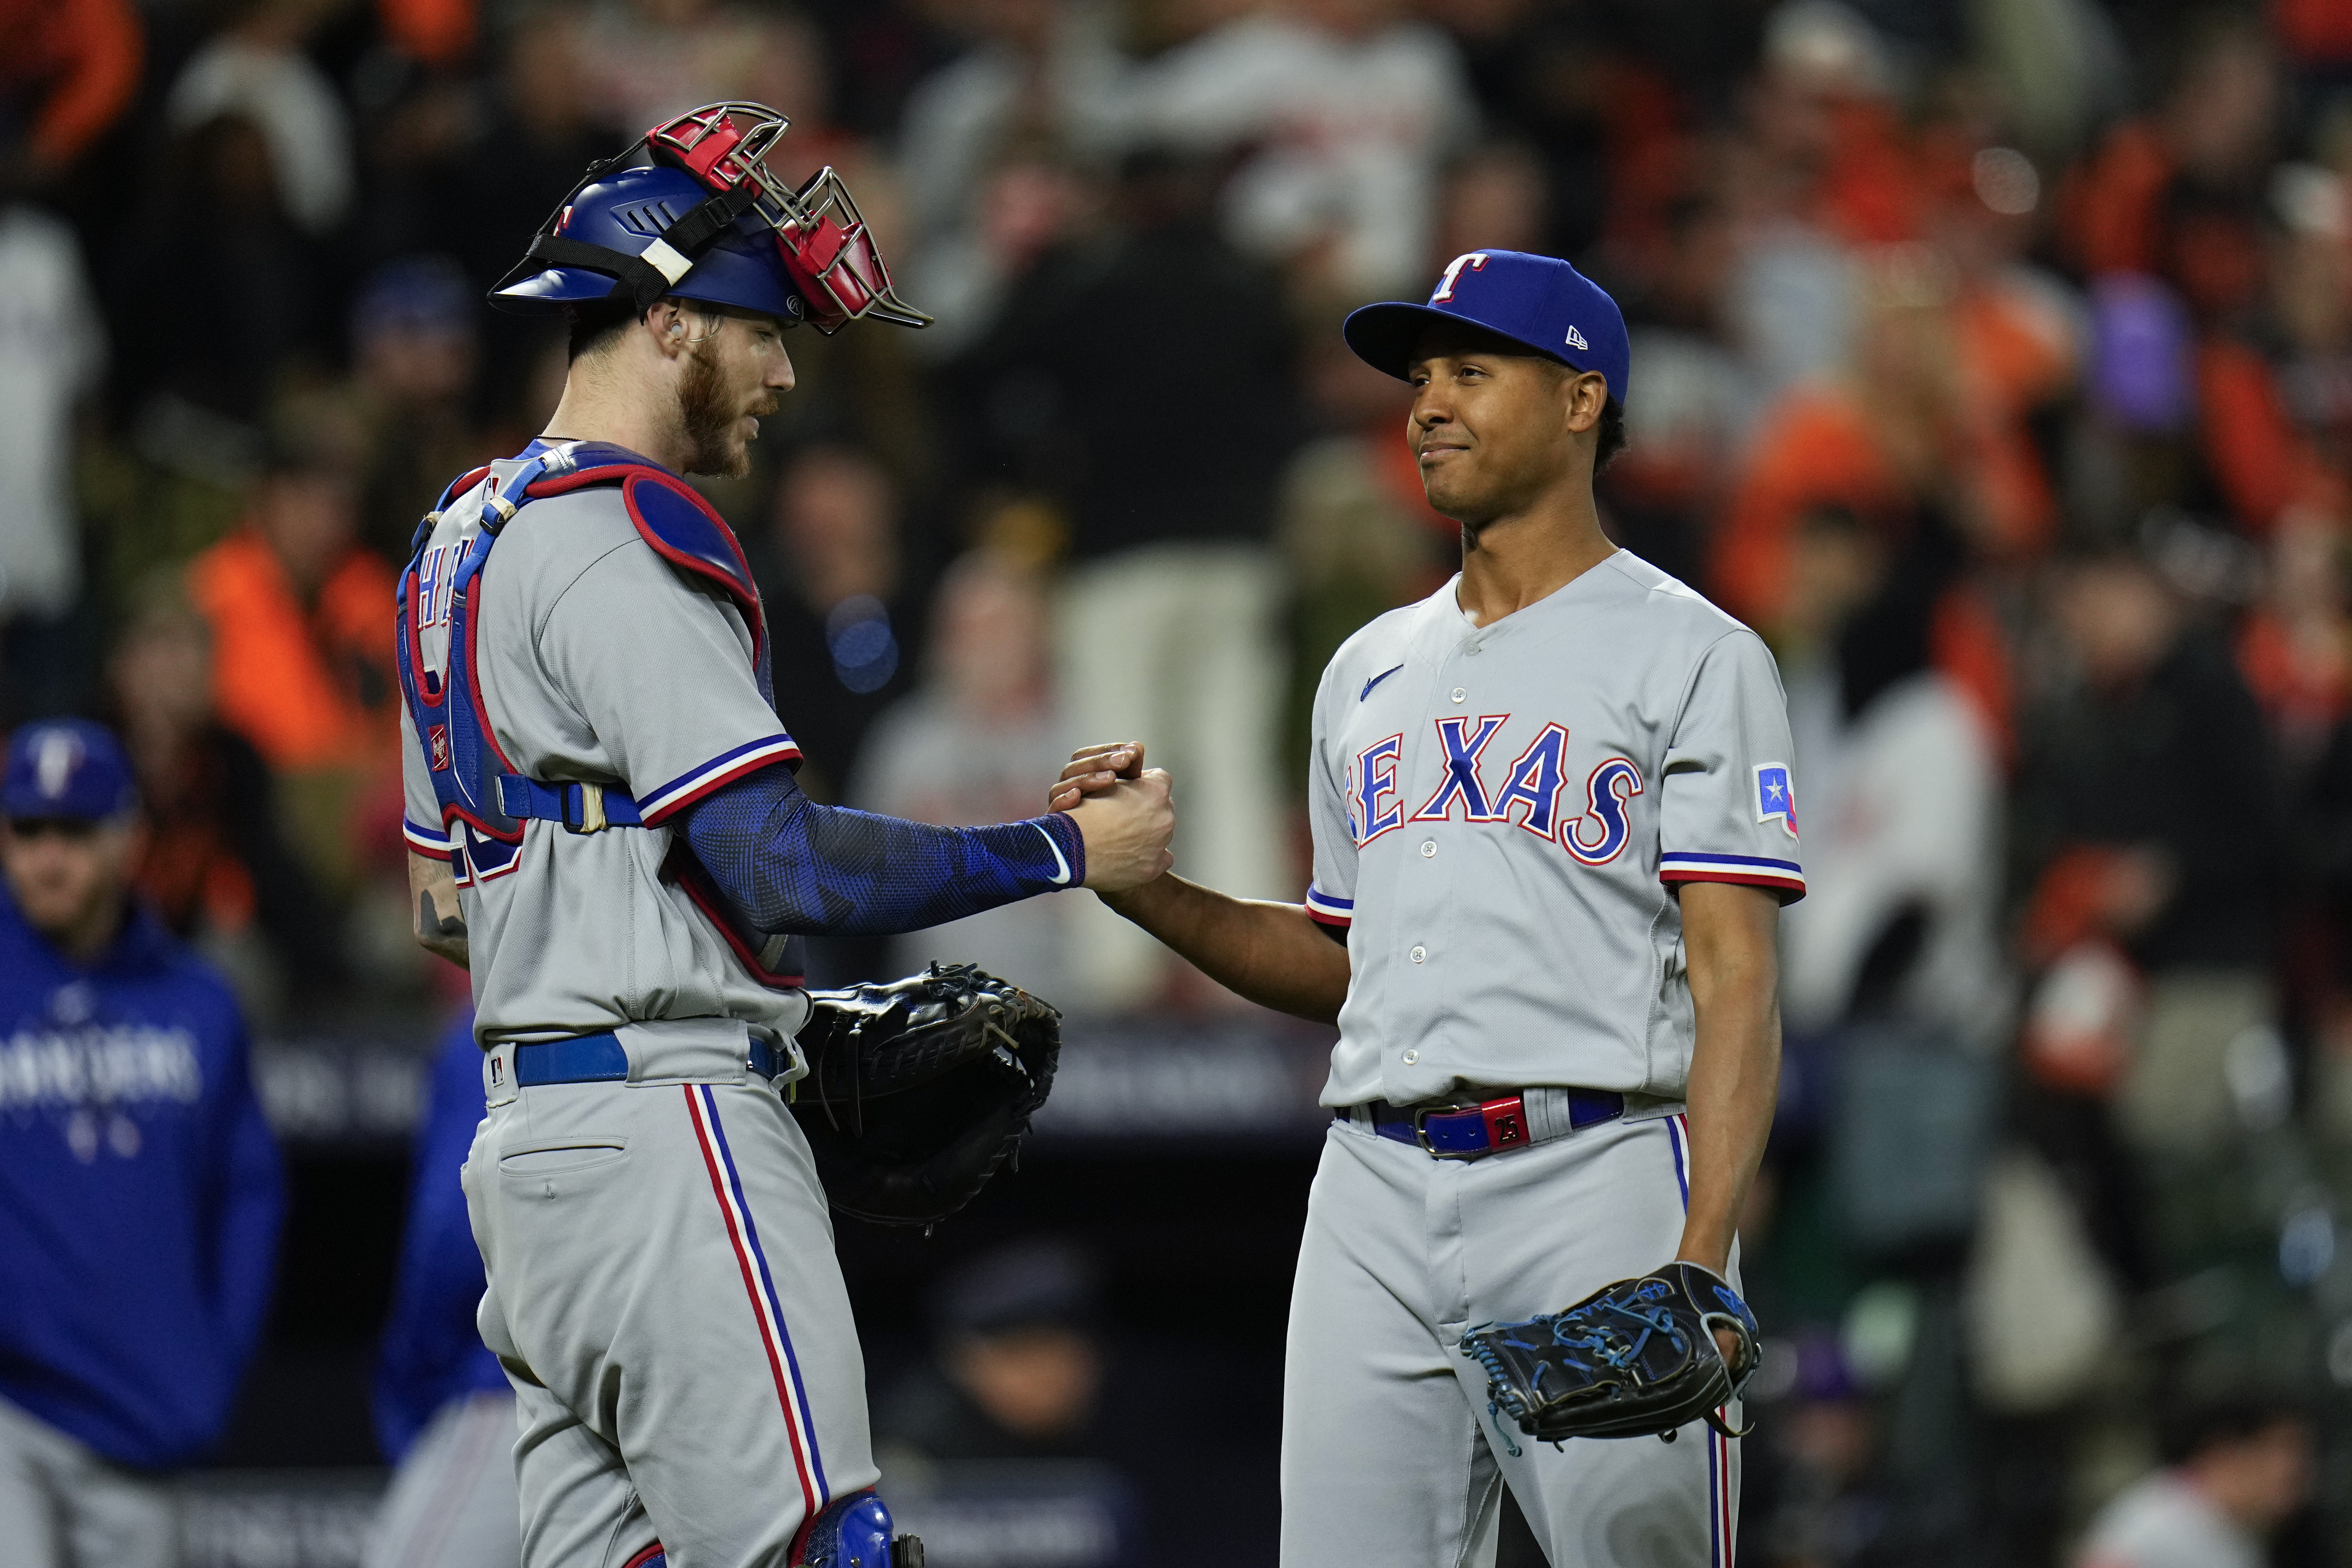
(498,1070)
(1776,796)
(438,739)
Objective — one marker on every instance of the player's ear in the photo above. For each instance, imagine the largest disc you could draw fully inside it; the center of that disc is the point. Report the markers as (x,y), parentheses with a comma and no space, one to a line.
(1587,395)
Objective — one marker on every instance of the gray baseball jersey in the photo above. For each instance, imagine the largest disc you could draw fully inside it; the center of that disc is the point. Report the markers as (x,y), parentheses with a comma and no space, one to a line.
(1499,816)
(596,660)
(1499,813)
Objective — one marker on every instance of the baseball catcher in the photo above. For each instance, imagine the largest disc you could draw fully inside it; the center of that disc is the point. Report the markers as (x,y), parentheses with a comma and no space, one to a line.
(605,827)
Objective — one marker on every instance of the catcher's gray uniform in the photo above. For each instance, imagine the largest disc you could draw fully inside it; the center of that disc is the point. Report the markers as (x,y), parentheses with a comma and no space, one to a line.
(1498,814)
(663,1288)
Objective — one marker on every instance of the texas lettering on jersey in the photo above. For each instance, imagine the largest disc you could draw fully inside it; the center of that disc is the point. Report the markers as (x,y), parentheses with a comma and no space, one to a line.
(1533,794)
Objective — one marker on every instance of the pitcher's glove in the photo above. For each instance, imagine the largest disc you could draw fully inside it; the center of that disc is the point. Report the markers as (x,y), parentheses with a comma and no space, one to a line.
(917,1090)
(1636,1359)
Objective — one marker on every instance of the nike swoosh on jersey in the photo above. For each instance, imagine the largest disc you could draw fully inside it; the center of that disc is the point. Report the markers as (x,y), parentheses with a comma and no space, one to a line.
(1061,878)
(1375,680)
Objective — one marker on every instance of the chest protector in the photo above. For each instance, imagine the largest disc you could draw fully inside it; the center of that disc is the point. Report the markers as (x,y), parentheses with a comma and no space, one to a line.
(485,799)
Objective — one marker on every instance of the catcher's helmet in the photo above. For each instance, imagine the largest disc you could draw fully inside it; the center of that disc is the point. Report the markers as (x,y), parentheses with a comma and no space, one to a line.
(690,209)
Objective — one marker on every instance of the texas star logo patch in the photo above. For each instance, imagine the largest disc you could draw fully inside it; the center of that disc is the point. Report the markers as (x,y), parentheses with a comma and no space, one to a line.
(1776,796)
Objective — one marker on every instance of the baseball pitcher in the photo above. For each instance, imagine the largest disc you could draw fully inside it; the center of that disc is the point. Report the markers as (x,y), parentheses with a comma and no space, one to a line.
(1554,821)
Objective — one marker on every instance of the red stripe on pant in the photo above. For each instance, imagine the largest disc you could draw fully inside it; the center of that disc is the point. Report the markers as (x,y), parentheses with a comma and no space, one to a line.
(809,1499)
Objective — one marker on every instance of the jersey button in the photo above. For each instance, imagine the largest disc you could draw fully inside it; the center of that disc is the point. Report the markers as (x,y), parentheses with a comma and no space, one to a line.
(1428,848)
(1459,694)
(1419,953)
(1411,1056)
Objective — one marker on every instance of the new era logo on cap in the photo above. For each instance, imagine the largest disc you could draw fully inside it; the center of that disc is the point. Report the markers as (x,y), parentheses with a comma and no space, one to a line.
(1576,339)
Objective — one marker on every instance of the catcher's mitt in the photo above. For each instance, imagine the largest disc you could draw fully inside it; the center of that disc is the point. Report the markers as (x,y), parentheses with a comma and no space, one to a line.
(917,1090)
(1636,1359)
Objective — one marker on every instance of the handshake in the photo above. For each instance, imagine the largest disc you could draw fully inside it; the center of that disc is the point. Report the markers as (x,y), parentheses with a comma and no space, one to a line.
(1124,814)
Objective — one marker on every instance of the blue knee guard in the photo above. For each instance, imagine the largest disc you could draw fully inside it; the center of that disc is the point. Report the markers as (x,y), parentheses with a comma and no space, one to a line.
(854,1531)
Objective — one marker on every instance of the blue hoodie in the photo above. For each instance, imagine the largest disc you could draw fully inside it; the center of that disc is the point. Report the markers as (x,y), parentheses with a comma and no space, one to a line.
(140,1192)
(432,1354)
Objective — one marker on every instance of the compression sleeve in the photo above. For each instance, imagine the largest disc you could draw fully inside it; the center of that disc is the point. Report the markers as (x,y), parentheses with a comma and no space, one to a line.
(790,865)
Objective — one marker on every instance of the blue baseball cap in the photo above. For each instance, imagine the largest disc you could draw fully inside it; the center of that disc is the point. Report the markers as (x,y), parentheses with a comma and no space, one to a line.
(1538,301)
(67,768)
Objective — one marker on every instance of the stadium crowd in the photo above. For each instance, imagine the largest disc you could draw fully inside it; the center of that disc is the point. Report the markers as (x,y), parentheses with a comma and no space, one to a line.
(1994,360)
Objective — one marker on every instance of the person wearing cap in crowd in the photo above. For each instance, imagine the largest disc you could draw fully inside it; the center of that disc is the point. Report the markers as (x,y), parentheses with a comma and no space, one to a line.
(140,1189)
(1555,818)
(1016,1368)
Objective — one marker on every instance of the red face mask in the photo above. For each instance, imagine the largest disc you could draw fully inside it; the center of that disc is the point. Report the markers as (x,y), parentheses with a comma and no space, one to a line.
(820,234)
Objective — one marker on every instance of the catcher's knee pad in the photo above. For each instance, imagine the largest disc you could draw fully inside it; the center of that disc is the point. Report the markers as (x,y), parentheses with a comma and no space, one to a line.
(854,1531)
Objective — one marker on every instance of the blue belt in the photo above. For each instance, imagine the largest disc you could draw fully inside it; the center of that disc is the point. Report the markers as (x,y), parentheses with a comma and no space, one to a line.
(599,1059)
(581,808)
(1467,1131)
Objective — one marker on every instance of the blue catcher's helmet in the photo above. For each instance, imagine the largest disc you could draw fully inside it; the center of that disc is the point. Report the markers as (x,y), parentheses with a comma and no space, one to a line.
(692,210)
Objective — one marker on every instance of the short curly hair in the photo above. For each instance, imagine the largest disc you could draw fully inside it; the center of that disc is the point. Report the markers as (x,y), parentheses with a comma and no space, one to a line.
(1613,435)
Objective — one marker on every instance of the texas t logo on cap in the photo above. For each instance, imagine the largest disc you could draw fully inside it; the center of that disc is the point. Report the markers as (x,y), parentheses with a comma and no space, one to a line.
(1538,302)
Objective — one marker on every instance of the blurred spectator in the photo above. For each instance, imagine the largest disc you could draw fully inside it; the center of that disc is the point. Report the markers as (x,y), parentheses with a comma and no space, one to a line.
(215,229)
(1345,112)
(1357,534)
(1143,381)
(1903,442)
(1017,1367)
(1822,1450)
(445,1414)
(1902,797)
(831,578)
(2237,1472)
(651,60)
(991,146)
(68,68)
(139,1191)
(1699,398)
(254,70)
(301,664)
(413,362)
(536,131)
(970,746)
(216,869)
(2152,821)
(52,349)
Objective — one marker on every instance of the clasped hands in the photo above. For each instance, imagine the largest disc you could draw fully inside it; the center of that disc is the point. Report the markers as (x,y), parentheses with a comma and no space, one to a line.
(1124,813)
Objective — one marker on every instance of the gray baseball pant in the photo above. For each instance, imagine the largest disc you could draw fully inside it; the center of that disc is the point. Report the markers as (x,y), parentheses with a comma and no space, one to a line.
(1390,1455)
(665,1297)
(452,1501)
(63,1506)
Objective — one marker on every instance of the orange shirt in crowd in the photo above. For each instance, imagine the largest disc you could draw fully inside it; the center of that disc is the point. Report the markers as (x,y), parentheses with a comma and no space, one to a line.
(1814,450)
(1870,191)
(82,56)
(2111,209)
(310,688)
(2260,462)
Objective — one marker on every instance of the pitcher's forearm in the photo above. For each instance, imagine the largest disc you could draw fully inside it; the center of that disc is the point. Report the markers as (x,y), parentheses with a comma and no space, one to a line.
(1735,1074)
(1274,954)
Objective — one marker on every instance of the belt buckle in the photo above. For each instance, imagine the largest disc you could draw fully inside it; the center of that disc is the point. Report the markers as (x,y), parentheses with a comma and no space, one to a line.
(1421,1132)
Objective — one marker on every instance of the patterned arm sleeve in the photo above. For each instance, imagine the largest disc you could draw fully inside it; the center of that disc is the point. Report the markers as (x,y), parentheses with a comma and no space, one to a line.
(790,865)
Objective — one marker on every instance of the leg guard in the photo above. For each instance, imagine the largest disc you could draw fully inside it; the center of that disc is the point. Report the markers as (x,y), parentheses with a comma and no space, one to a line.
(854,1531)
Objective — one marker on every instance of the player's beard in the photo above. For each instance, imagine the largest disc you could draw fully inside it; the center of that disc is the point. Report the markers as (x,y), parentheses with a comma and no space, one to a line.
(710,418)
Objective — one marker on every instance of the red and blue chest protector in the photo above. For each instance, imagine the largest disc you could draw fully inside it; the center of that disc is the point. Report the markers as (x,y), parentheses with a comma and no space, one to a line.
(484,798)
